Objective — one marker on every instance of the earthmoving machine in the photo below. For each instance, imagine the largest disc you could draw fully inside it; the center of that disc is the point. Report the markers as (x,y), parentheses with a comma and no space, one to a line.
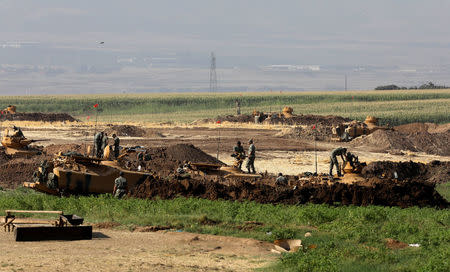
(10,109)
(18,144)
(64,227)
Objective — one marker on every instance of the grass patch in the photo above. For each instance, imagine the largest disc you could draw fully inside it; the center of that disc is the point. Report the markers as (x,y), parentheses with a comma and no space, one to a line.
(348,238)
(395,107)
(444,190)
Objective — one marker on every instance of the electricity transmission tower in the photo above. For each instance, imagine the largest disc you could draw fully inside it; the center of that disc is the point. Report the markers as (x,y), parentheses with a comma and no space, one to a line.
(212,74)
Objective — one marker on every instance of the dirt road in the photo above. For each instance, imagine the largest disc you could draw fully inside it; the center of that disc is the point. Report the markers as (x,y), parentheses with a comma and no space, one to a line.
(115,250)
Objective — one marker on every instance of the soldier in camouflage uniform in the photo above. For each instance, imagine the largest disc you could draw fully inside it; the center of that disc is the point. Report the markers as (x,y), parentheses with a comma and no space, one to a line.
(281,180)
(251,157)
(98,143)
(116,145)
(120,186)
(340,151)
(104,143)
(239,155)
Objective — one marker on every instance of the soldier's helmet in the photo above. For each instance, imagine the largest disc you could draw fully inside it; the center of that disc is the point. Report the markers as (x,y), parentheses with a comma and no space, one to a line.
(114,135)
(250,141)
(238,142)
(121,174)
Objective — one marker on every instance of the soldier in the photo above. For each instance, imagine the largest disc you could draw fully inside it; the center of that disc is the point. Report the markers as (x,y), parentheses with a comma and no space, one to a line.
(352,159)
(340,151)
(141,163)
(251,157)
(238,107)
(239,155)
(116,145)
(120,186)
(18,133)
(98,138)
(104,143)
(281,179)
(182,172)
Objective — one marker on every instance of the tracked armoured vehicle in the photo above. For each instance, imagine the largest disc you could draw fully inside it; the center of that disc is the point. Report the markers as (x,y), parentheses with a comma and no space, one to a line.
(74,173)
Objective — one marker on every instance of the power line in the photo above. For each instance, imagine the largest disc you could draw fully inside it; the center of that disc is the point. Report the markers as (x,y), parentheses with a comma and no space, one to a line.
(212,74)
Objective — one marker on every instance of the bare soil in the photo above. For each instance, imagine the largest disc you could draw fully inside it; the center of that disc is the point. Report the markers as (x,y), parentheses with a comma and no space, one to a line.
(114,250)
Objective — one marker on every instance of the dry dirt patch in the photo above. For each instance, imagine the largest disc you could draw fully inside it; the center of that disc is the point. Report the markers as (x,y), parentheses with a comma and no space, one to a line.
(113,250)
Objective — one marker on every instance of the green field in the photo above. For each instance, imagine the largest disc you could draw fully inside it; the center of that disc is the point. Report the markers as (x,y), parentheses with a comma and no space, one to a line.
(393,107)
(348,238)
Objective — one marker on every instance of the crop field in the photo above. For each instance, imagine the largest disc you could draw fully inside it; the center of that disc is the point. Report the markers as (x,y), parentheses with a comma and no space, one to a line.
(393,107)
(344,238)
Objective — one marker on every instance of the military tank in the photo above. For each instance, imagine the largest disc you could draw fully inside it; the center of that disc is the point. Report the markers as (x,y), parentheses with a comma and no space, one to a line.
(74,173)
(18,144)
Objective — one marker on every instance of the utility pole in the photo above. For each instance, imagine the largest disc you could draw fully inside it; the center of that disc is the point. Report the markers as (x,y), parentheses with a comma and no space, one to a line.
(212,74)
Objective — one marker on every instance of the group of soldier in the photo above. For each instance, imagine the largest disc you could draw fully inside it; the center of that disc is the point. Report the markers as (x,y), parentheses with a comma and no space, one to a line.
(121,187)
(101,142)
(239,156)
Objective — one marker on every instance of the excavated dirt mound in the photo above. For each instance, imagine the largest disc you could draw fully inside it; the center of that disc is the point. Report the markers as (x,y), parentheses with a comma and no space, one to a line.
(328,120)
(165,160)
(387,193)
(15,170)
(38,116)
(387,140)
(55,149)
(131,131)
(434,172)
(423,127)
(306,132)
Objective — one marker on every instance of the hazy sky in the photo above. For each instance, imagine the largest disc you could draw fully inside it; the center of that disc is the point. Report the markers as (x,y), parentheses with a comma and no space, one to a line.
(407,33)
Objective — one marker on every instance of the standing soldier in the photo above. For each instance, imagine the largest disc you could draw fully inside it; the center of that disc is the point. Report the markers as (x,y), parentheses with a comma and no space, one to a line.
(120,186)
(104,143)
(116,145)
(98,144)
(239,155)
(340,151)
(238,107)
(251,157)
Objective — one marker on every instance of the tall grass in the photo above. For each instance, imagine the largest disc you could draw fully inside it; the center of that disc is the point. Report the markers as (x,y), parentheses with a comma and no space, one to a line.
(347,238)
(395,106)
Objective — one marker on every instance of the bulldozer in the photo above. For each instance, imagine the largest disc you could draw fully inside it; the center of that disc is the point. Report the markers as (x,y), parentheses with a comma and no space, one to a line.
(18,144)
(10,109)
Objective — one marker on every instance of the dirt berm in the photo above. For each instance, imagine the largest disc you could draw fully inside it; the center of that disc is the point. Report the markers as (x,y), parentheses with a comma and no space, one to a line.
(276,118)
(422,141)
(131,131)
(433,172)
(403,194)
(38,116)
